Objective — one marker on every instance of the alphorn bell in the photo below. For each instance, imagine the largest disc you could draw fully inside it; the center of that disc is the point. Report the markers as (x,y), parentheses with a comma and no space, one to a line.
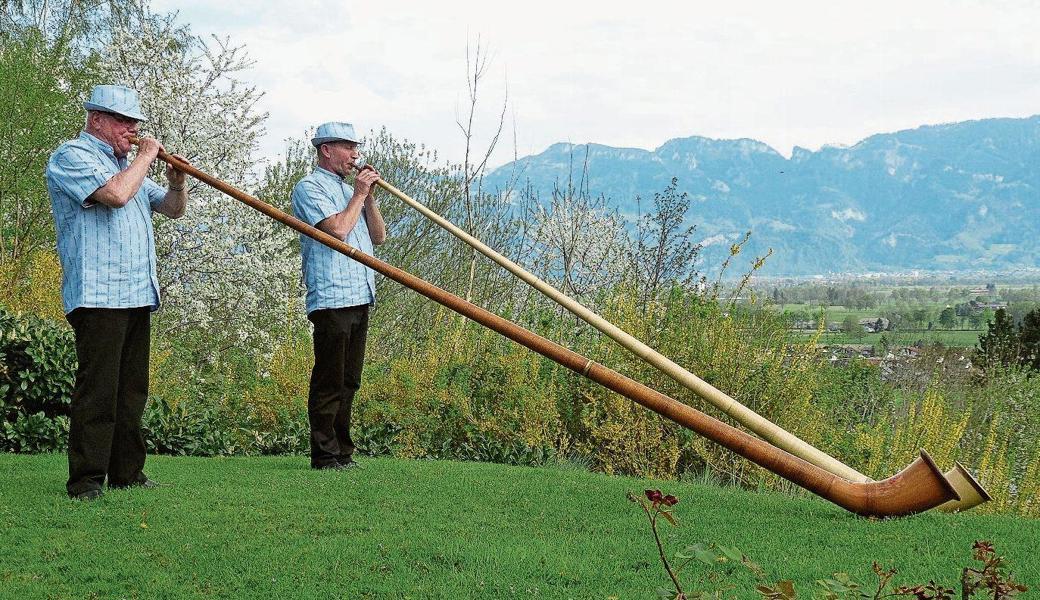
(917,488)
(972,493)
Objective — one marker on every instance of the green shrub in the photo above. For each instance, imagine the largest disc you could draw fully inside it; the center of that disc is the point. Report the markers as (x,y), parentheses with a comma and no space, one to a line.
(494,404)
(36,433)
(183,428)
(37,374)
(204,426)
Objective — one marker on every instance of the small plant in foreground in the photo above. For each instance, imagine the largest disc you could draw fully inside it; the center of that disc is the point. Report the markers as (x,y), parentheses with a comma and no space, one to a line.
(657,505)
(994,580)
(841,586)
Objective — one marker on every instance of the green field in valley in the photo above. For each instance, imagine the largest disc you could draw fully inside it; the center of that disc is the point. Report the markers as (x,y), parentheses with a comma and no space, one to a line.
(953,339)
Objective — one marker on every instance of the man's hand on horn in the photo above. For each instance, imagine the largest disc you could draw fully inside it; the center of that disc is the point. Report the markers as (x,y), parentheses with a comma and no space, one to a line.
(366,180)
(149,147)
(174,175)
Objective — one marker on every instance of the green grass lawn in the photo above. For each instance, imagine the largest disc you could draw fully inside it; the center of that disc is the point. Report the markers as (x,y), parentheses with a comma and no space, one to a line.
(272,528)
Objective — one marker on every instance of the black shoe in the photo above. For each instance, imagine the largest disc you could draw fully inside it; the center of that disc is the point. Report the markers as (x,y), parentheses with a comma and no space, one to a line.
(350,463)
(332,466)
(87,496)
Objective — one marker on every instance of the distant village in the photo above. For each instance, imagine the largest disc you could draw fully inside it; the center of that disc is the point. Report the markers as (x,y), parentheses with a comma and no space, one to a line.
(892,362)
(897,360)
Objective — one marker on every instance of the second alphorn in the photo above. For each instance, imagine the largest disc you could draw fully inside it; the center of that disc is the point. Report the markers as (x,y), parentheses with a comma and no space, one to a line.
(972,493)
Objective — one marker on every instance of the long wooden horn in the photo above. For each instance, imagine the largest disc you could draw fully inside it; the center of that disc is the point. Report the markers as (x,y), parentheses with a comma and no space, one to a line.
(916,488)
(765,428)
(972,492)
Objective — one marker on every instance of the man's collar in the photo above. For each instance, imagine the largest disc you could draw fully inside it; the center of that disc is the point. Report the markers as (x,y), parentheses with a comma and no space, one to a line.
(325,171)
(83,135)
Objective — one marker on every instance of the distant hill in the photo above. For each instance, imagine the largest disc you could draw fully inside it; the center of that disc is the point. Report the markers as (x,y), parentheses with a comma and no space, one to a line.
(961,196)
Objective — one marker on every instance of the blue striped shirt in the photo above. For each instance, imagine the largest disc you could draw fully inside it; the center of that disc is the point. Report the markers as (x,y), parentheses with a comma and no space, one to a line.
(332,279)
(107,254)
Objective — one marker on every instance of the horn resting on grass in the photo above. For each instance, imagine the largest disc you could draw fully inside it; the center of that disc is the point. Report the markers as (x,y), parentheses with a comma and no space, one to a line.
(972,493)
(918,487)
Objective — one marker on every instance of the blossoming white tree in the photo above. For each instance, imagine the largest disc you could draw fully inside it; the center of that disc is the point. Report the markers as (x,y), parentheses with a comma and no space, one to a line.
(227,272)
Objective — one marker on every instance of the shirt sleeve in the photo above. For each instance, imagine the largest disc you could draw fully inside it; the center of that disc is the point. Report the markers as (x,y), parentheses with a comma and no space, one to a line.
(77,173)
(155,192)
(311,203)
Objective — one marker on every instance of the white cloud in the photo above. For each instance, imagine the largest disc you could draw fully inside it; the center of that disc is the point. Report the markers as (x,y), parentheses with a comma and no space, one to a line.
(807,73)
(715,239)
(989,177)
(849,214)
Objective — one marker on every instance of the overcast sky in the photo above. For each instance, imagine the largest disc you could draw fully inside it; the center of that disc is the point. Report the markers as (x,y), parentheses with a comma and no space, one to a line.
(633,74)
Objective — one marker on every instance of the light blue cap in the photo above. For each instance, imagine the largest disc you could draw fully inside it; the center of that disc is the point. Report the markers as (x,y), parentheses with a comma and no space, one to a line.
(334,132)
(115,99)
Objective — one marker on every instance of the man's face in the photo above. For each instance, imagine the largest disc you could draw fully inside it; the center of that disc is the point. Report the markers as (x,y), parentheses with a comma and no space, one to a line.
(116,130)
(341,156)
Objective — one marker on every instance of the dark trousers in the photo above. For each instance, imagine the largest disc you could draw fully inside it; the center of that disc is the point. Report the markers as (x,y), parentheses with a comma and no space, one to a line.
(107,403)
(339,353)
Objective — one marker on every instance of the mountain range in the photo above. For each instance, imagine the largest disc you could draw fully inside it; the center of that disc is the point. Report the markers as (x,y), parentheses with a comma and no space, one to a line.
(955,197)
